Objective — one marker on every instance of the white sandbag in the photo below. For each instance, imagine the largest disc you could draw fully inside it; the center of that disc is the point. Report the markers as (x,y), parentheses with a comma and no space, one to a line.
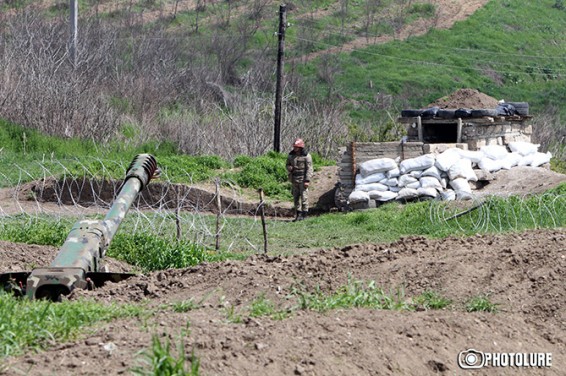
(464,196)
(373,178)
(407,194)
(358,196)
(447,158)
(395,189)
(460,185)
(371,187)
(444,182)
(527,160)
(394,173)
(462,169)
(432,171)
(431,182)
(523,148)
(392,182)
(414,185)
(489,165)
(416,173)
(448,195)
(405,179)
(382,196)
(473,155)
(427,192)
(376,165)
(419,163)
(512,160)
(540,159)
(495,152)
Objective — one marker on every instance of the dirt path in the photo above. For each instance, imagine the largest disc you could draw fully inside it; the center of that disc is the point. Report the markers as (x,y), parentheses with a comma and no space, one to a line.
(448,13)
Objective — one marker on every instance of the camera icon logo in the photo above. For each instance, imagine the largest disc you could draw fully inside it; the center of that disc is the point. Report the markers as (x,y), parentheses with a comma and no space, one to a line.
(471,359)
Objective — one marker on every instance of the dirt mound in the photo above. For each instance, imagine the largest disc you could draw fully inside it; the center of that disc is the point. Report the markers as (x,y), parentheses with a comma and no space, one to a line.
(466,98)
(522,273)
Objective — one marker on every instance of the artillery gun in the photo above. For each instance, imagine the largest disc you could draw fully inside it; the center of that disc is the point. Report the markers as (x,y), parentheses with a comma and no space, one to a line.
(79,262)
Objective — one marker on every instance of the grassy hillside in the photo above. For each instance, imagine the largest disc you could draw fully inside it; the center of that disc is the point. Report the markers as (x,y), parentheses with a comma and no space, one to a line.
(199,73)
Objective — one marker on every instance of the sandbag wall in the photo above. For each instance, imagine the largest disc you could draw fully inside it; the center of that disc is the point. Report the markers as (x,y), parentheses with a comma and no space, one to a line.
(445,176)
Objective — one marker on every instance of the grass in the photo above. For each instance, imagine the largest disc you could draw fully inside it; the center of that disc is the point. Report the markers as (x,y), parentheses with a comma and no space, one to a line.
(481,303)
(432,300)
(160,359)
(35,325)
(355,294)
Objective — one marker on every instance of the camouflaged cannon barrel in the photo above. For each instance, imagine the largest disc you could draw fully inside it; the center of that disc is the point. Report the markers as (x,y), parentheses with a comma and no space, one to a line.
(78,263)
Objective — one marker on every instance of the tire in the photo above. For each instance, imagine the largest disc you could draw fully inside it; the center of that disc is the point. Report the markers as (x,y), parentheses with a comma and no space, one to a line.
(411,113)
(446,114)
(522,108)
(484,112)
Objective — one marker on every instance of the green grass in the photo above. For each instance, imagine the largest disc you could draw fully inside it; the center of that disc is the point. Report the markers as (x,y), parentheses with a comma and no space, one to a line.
(262,307)
(481,303)
(34,325)
(163,359)
(432,300)
(355,294)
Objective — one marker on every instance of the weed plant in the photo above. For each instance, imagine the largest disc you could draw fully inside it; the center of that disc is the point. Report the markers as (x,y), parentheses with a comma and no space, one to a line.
(160,360)
(432,300)
(35,324)
(481,303)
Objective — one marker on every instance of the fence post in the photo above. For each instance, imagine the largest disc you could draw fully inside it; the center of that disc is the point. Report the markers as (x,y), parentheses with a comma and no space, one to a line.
(219,208)
(262,213)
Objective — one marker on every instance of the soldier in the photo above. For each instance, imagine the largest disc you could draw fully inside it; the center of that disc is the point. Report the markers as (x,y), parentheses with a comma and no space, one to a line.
(299,169)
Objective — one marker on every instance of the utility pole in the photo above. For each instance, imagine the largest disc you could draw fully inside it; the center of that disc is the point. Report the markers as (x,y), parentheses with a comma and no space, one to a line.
(279,85)
(74,21)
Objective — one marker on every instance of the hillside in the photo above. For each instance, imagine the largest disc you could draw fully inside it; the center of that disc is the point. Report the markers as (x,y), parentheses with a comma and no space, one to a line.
(166,70)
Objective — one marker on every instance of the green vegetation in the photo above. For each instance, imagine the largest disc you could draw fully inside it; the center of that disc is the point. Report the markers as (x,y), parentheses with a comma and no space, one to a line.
(355,294)
(481,304)
(161,360)
(36,324)
(262,307)
(432,300)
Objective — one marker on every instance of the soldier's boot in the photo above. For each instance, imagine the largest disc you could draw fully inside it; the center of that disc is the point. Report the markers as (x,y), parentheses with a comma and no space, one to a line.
(297,216)
(304,214)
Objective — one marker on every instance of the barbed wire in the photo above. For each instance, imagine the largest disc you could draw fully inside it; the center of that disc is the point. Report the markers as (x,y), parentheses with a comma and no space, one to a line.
(173,211)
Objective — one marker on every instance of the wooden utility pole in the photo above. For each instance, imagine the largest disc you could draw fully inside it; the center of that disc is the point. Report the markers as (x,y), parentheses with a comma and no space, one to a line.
(279,85)
(74,21)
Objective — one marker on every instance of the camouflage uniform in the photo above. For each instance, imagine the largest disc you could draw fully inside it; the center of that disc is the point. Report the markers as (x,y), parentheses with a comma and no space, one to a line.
(299,168)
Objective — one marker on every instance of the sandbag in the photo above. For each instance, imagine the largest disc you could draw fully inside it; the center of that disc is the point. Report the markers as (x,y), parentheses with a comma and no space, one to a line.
(407,194)
(405,179)
(394,173)
(376,165)
(358,196)
(473,155)
(371,187)
(495,152)
(448,195)
(446,159)
(432,172)
(540,159)
(427,192)
(419,163)
(393,182)
(489,165)
(460,185)
(414,185)
(462,169)
(523,148)
(431,182)
(373,178)
(527,160)
(382,196)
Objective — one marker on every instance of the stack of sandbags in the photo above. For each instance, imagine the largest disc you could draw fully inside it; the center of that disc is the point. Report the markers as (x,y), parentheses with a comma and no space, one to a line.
(446,176)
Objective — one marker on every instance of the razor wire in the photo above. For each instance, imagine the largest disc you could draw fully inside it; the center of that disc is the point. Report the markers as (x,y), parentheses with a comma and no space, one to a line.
(69,190)
(499,213)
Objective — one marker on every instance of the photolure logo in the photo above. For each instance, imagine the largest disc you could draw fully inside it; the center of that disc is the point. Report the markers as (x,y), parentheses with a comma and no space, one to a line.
(473,359)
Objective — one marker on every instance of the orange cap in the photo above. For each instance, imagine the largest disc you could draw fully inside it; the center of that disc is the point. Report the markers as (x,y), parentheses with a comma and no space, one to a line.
(299,143)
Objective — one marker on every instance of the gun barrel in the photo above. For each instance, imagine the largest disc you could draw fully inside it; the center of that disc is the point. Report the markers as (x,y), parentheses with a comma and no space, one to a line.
(88,240)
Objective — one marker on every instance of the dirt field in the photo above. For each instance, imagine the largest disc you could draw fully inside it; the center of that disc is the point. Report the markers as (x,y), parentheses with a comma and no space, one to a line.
(523,273)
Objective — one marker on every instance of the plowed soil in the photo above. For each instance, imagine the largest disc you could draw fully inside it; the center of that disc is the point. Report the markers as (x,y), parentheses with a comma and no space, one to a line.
(522,273)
